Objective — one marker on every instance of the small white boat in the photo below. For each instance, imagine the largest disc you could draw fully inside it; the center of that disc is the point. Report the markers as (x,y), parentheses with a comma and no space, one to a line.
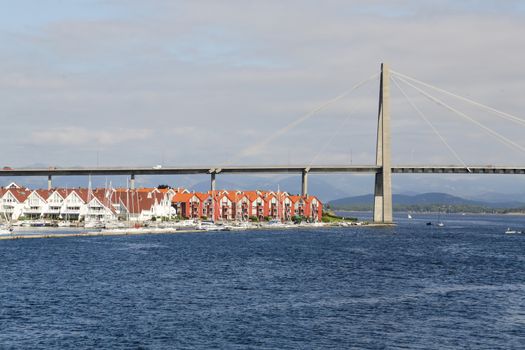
(409,216)
(65,224)
(238,226)
(440,224)
(509,231)
(209,226)
(185,223)
(275,223)
(6,230)
(115,224)
(94,224)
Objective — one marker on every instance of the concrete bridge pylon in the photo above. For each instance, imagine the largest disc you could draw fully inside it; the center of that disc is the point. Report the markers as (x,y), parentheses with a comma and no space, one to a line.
(383,178)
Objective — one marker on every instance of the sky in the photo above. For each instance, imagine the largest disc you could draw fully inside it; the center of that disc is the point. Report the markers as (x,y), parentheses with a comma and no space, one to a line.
(129,82)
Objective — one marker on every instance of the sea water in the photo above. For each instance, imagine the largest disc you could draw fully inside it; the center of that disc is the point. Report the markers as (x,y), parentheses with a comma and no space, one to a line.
(411,286)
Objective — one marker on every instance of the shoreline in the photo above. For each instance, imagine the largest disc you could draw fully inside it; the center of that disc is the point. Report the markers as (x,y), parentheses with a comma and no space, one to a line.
(429,212)
(170,231)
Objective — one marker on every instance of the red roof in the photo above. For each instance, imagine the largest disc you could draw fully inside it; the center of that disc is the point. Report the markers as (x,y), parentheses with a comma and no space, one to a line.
(20,194)
(44,194)
(182,197)
(252,195)
(295,199)
(202,196)
(138,202)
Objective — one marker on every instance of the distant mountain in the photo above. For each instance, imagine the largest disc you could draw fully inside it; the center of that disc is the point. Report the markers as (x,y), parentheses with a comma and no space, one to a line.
(496,197)
(425,200)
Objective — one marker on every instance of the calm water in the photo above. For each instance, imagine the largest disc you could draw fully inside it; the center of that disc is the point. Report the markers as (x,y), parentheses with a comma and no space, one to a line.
(461,286)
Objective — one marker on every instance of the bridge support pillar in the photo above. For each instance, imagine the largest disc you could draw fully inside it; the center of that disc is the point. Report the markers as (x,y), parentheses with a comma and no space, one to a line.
(132,182)
(49,182)
(304,183)
(212,183)
(383,179)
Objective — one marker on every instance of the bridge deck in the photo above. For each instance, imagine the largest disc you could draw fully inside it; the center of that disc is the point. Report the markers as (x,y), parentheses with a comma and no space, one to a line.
(431,169)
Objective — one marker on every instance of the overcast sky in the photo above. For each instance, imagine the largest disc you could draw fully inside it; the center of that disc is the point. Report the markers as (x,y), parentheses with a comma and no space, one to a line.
(125,82)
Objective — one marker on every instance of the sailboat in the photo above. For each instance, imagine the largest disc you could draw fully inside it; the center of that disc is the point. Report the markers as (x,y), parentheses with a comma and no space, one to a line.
(8,227)
(66,222)
(409,216)
(89,221)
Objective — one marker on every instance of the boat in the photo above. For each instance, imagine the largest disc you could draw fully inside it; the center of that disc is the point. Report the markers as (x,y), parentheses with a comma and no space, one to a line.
(209,226)
(94,224)
(114,224)
(409,216)
(64,224)
(238,226)
(510,231)
(185,223)
(275,223)
(429,223)
(440,223)
(6,230)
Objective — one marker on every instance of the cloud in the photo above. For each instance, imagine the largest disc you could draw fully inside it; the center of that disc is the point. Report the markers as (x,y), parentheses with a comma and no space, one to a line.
(232,74)
(73,136)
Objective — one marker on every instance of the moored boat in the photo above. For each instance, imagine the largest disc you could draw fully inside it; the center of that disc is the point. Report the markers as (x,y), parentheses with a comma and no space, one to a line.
(209,226)
(6,230)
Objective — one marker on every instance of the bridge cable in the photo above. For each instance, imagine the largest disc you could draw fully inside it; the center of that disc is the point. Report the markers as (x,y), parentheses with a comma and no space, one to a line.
(336,133)
(499,113)
(256,148)
(504,140)
(424,117)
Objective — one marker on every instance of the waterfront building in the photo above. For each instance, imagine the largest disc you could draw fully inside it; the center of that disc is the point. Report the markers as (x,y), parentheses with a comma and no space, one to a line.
(145,204)
(35,204)
(74,205)
(235,205)
(257,205)
(99,207)
(54,203)
(313,209)
(187,205)
(206,204)
(13,202)
(227,205)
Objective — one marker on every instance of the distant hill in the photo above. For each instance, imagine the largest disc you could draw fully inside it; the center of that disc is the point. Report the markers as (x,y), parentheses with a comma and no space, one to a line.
(425,202)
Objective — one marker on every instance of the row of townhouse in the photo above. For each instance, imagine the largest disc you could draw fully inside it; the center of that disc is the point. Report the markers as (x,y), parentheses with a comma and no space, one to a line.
(83,204)
(146,203)
(246,205)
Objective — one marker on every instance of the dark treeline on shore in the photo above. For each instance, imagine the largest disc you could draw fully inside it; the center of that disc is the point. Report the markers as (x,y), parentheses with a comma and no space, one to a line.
(430,202)
(435,208)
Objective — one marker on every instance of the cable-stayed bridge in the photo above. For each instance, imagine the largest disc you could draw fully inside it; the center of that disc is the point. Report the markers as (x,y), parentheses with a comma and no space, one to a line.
(382,169)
